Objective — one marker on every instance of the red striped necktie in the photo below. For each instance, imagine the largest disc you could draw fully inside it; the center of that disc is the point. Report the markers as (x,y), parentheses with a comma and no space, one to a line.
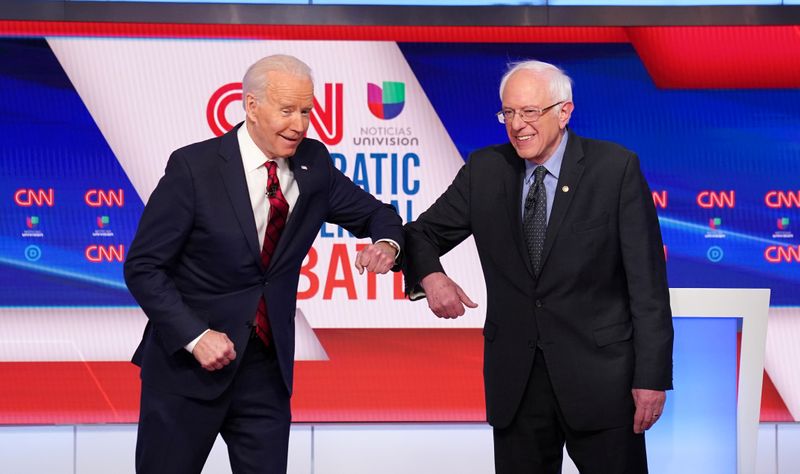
(278,212)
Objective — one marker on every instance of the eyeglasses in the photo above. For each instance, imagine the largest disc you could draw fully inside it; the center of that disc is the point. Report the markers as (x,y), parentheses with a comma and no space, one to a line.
(527,114)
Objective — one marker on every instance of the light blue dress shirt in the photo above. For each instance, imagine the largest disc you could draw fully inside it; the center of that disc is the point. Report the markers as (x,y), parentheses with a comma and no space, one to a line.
(553,166)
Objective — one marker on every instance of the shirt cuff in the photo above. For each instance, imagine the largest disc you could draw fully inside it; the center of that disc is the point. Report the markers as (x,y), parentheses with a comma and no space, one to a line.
(416,294)
(190,347)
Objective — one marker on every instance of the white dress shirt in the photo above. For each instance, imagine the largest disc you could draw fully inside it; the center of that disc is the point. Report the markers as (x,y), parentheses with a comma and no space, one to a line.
(256,175)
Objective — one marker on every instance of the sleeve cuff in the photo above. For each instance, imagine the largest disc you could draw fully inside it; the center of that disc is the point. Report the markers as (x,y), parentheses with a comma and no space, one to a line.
(190,347)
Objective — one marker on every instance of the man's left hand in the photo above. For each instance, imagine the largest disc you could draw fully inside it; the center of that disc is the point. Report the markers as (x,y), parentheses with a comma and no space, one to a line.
(376,258)
(649,407)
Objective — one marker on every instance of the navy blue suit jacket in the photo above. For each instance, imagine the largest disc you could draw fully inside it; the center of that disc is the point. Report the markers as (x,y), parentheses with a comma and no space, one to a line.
(195,262)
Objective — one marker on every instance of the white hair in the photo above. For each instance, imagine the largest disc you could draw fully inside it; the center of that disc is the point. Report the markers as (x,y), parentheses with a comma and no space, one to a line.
(560,84)
(257,76)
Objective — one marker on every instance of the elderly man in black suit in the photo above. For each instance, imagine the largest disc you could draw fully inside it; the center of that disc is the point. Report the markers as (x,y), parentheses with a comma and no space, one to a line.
(578,333)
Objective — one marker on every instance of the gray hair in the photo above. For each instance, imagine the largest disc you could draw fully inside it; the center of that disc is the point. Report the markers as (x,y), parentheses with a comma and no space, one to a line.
(256,78)
(560,83)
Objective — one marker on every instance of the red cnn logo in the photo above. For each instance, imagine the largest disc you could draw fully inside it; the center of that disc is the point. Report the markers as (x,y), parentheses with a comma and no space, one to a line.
(778,199)
(100,198)
(780,253)
(218,104)
(328,121)
(709,199)
(660,199)
(105,253)
(35,197)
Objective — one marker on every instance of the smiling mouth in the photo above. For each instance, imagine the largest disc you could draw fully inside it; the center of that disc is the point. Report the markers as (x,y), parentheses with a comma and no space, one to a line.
(292,141)
(524,138)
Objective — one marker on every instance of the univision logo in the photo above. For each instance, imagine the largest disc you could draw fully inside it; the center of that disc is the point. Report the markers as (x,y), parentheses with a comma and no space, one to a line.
(32,222)
(386,103)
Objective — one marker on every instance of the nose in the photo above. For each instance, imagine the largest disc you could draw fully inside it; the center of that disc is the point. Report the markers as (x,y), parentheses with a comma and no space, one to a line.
(299,122)
(517,123)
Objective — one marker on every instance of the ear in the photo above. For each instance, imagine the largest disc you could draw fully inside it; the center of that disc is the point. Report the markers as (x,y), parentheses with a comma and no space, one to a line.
(250,106)
(565,113)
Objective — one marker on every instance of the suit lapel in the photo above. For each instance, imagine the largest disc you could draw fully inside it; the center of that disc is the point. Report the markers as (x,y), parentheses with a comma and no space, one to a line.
(232,172)
(569,177)
(512,182)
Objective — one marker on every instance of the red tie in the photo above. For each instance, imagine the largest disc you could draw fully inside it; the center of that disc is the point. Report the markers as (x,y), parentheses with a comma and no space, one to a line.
(278,211)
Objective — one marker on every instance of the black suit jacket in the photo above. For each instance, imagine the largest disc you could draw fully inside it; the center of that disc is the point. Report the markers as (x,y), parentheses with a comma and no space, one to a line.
(195,262)
(600,307)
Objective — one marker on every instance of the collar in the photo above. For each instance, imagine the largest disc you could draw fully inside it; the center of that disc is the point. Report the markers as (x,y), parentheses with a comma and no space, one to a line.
(553,164)
(252,156)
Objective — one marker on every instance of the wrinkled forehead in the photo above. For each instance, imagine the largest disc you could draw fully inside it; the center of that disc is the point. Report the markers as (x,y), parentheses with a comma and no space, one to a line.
(285,87)
(527,88)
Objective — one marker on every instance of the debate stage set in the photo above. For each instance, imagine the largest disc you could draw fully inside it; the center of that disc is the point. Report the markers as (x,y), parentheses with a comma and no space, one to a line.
(95,96)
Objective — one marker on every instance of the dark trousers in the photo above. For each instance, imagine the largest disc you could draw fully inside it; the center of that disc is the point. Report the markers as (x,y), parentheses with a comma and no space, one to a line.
(534,442)
(253,415)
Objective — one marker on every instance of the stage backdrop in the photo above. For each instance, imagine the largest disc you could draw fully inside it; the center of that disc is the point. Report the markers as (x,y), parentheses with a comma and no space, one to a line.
(90,116)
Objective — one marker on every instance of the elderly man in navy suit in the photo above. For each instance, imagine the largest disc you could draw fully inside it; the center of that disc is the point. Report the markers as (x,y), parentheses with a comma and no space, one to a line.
(215,265)
(578,333)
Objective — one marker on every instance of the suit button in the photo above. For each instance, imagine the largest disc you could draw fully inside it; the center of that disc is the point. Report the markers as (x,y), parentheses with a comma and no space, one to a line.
(265,283)
(538,303)
(532,344)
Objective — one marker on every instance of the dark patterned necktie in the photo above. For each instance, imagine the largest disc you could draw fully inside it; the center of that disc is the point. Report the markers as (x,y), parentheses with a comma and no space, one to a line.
(535,222)
(278,211)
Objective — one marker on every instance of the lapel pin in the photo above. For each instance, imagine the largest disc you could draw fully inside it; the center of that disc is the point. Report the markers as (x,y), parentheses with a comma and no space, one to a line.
(304,167)
(565,189)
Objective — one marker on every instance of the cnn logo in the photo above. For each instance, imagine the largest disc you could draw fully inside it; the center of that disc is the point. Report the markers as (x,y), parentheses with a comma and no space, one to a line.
(101,198)
(35,197)
(782,254)
(327,117)
(779,199)
(711,199)
(105,253)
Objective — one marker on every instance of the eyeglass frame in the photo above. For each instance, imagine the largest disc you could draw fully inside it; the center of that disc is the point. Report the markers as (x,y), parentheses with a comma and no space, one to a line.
(501,117)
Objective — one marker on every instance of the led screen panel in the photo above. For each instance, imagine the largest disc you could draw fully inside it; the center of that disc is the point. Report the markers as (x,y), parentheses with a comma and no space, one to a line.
(90,121)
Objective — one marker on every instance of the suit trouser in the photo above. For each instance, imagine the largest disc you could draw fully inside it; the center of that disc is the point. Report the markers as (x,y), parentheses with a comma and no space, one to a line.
(534,441)
(253,416)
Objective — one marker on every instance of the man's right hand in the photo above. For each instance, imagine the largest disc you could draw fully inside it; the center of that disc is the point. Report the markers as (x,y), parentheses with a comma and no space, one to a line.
(214,350)
(445,298)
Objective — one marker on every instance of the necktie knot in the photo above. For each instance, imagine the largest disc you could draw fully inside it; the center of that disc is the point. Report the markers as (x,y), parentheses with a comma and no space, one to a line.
(538,174)
(271,169)
(272,179)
